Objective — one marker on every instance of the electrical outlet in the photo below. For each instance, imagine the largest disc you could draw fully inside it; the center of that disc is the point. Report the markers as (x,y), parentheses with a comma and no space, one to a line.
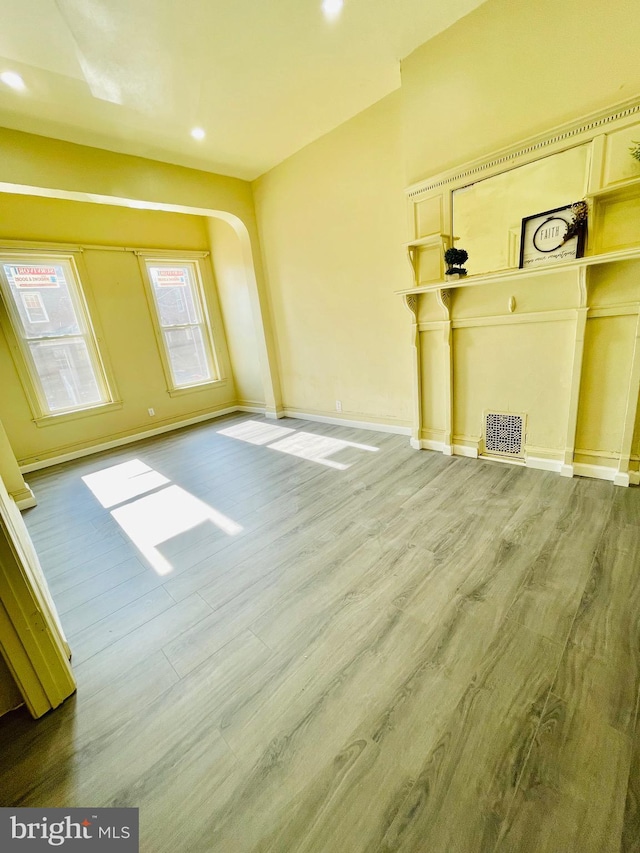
(338,405)
(151,412)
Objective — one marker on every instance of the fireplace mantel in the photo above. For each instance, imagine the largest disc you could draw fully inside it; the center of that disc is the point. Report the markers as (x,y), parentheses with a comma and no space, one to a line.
(558,344)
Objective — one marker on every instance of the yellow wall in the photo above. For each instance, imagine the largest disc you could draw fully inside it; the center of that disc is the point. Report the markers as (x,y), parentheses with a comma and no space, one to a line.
(240,313)
(512,69)
(37,161)
(113,280)
(332,223)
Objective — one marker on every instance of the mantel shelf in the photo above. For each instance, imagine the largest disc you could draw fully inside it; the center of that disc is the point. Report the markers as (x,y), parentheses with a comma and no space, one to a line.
(519,274)
(621,188)
(431,240)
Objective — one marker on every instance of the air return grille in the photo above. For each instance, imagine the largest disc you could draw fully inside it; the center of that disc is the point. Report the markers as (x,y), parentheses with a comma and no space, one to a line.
(504,434)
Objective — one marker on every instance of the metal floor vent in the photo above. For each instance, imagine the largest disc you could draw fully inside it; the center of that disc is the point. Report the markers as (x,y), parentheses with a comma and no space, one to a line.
(504,434)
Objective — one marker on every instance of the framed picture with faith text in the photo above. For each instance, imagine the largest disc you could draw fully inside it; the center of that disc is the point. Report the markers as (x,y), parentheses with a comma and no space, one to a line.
(552,236)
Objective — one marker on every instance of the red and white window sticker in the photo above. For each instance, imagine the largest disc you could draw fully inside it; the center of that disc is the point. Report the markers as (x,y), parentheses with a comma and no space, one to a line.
(169,276)
(38,276)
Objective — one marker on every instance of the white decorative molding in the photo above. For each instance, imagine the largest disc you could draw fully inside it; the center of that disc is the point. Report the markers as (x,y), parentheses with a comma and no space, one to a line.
(574,390)
(554,315)
(432,326)
(443,295)
(411,304)
(582,286)
(586,126)
(598,454)
(628,309)
(513,275)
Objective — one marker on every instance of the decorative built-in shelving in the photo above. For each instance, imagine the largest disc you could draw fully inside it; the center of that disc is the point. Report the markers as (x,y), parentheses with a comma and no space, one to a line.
(513,275)
(556,344)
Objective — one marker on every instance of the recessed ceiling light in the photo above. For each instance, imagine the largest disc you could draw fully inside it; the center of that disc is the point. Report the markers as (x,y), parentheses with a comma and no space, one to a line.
(198,133)
(13,79)
(332,8)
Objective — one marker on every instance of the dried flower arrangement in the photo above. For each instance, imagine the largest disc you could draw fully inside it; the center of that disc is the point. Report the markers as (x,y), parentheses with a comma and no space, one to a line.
(579,216)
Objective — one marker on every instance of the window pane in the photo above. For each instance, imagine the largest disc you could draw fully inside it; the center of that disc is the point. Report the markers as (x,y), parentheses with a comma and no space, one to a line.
(49,318)
(44,285)
(173,289)
(66,373)
(187,356)
(34,306)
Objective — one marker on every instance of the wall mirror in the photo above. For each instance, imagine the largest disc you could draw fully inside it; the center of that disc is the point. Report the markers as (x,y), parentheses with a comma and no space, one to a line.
(487,215)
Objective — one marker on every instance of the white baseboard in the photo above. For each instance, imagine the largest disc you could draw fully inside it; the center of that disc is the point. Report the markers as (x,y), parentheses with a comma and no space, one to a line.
(634,478)
(597,472)
(27,500)
(119,442)
(327,419)
(541,464)
(255,410)
(432,444)
(140,436)
(465,450)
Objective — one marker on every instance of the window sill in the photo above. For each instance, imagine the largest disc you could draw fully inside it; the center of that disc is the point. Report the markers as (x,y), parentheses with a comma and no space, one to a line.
(64,417)
(191,389)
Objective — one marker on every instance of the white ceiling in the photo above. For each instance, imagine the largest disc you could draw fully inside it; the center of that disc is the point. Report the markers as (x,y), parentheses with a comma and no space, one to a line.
(262,77)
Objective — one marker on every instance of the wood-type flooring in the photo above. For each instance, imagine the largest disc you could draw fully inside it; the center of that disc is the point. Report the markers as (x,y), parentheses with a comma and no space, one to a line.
(291,637)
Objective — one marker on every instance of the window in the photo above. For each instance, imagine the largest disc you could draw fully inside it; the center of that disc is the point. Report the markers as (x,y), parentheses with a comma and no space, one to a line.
(182,322)
(50,319)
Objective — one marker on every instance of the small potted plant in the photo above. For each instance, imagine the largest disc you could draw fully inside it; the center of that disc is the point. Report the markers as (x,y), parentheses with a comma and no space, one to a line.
(635,150)
(454,259)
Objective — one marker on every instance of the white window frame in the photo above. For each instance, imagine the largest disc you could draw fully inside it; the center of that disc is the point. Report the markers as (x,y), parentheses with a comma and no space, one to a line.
(147,260)
(25,363)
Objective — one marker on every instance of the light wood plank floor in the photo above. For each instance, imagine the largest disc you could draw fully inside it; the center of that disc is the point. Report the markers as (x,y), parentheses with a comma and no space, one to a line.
(345,645)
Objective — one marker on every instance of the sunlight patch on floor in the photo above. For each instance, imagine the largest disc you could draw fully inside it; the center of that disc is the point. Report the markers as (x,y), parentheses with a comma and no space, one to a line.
(156,518)
(151,520)
(255,433)
(120,483)
(317,448)
(304,445)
